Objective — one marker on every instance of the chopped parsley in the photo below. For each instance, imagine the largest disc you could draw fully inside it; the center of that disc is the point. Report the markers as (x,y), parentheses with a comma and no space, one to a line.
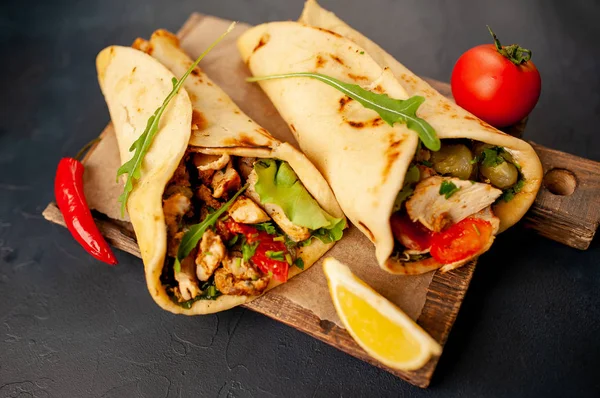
(299,263)
(509,194)
(491,157)
(266,227)
(448,189)
(279,256)
(248,249)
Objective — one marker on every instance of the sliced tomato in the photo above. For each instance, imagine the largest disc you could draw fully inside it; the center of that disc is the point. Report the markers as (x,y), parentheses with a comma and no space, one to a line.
(412,235)
(461,240)
(277,268)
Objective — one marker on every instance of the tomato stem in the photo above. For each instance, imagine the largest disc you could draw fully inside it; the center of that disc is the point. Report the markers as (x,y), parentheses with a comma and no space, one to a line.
(515,53)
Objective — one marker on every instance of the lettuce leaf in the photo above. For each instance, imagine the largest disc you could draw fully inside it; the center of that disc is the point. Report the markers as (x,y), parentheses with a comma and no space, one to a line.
(278,184)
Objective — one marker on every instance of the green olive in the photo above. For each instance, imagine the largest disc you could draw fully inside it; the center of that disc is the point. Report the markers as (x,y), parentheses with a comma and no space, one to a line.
(454,160)
(501,176)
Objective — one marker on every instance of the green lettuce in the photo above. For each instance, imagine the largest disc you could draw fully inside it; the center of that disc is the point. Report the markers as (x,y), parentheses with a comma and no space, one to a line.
(278,184)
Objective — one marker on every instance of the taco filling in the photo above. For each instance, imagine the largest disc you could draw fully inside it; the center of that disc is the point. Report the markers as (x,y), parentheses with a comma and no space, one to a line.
(257,239)
(443,215)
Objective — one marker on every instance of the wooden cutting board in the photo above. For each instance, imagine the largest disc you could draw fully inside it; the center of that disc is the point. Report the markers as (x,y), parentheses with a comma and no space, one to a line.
(567,210)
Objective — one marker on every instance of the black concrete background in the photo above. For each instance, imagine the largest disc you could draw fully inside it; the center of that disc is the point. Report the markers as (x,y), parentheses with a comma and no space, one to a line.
(73,327)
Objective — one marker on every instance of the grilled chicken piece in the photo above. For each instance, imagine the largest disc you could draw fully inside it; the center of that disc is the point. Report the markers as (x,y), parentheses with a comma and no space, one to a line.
(245,211)
(245,166)
(206,162)
(436,212)
(203,193)
(295,232)
(239,278)
(174,209)
(186,277)
(212,251)
(225,181)
(181,177)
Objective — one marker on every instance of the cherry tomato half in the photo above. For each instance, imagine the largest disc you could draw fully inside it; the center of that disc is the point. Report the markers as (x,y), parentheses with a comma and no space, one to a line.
(412,235)
(500,85)
(461,240)
(277,268)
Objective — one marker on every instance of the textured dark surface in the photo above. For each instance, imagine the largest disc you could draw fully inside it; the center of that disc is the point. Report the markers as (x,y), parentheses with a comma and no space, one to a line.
(72,327)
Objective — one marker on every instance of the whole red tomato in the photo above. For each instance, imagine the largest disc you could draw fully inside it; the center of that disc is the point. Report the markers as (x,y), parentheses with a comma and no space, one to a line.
(500,85)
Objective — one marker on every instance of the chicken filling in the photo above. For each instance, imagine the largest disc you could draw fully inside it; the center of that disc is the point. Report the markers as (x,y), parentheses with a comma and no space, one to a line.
(252,243)
(443,215)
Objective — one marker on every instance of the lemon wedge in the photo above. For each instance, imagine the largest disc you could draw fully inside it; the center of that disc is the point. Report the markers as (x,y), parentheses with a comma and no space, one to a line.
(378,326)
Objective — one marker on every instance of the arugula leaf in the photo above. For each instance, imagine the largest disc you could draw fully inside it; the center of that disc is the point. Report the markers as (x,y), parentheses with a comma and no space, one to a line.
(248,250)
(193,235)
(448,189)
(133,167)
(412,177)
(391,110)
(266,227)
(299,263)
(278,184)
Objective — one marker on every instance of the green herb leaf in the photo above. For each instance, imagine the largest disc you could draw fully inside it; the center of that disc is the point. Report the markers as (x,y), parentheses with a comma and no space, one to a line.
(141,146)
(209,292)
(412,177)
(491,157)
(266,227)
(299,263)
(279,256)
(248,250)
(509,194)
(391,110)
(233,241)
(193,235)
(448,189)
(278,184)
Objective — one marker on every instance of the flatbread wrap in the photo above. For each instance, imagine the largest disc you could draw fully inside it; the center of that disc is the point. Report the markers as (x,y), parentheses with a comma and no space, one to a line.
(423,209)
(272,213)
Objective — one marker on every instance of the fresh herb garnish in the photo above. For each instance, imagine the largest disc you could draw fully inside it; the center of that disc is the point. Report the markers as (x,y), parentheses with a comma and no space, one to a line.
(362,52)
(509,194)
(248,250)
(491,157)
(448,189)
(233,241)
(391,110)
(193,235)
(266,227)
(299,263)
(279,256)
(412,177)
(209,292)
(141,146)
(426,163)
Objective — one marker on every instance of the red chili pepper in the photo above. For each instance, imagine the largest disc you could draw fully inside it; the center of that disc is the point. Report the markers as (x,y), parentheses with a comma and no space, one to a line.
(68,190)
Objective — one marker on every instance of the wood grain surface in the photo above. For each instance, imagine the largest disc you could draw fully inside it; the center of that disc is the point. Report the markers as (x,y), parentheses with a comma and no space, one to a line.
(571,219)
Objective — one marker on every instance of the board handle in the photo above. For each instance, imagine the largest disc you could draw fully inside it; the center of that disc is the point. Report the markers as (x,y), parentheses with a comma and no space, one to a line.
(567,207)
